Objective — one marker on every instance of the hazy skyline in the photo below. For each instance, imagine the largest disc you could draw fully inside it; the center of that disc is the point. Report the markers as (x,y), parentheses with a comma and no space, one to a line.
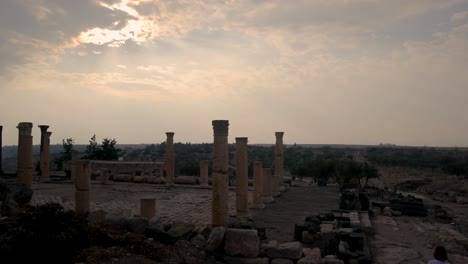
(324,72)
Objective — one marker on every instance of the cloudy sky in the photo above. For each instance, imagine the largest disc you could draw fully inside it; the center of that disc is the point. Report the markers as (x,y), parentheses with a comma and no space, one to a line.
(322,71)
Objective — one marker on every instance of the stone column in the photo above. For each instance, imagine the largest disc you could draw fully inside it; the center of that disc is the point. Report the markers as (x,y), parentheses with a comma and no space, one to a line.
(41,147)
(204,173)
(148,208)
(257,202)
(242,179)
(170,158)
(219,196)
(82,171)
(45,155)
(267,198)
(103,176)
(1,144)
(25,154)
(75,157)
(278,162)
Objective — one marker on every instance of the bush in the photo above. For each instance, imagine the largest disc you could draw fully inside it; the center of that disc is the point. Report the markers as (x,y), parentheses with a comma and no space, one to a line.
(45,234)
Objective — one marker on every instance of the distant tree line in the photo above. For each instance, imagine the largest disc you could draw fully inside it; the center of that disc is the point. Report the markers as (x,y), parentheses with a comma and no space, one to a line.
(450,160)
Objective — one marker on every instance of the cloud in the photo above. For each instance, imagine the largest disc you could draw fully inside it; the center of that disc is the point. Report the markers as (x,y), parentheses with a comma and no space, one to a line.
(459,16)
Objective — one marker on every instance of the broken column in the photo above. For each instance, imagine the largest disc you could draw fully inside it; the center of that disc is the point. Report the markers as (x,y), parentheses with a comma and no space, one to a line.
(242,180)
(1,159)
(219,196)
(75,157)
(103,176)
(279,162)
(267,198)
(170,158)
(44,153)
(25,154)
(82,171)
(204,173)
(257,202)
(148,208)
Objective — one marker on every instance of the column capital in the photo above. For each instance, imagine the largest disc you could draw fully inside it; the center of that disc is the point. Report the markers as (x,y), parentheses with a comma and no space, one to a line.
(48,134)
(43,128)
(170,134)
(1,128)
(25,128)
(220,127)
(279,134)
(241,139)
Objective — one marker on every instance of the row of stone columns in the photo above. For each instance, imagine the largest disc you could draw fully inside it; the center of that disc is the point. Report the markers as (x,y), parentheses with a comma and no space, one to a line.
(264,183)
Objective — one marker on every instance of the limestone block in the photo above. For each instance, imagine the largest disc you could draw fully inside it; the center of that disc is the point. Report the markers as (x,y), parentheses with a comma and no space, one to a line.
(122,178)
(140,179)
(281,261)
(264,247)
(205,231)
(310,237)
(307,260)
(242,242)
(237,260)
(198,241)
(148,208)
(82,201)
(331,259)
(186,180)
(289,250)
(137,225)
(216,238)
(312,252)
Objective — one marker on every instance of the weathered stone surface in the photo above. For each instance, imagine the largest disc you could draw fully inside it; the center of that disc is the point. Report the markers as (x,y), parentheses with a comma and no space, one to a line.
(241,242)
(309,237)
(122,178)
(198,241)
(289,250)
(97,217)
(331,259)
(186,180)
(181,230)
(156,224)
(137,224)
(281,261)
(311,256)
(140,179)
(264,247)
(237,260)
(216,238)
(205,231)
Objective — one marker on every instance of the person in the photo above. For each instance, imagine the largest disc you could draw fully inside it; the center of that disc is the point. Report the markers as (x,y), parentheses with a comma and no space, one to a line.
(440,255)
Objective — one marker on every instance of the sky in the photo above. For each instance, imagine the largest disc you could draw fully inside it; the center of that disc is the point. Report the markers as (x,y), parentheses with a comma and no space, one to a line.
(322,71)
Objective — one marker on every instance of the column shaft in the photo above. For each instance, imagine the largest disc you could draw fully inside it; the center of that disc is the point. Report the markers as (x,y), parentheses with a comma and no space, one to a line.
(219,199)
(257,202)
(25,154)
(267,198)
(170,158)
(242,181)
(204,173)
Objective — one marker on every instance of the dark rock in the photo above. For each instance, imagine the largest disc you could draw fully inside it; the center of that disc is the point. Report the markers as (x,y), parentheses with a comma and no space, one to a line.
(198,241)
(137,225)
(241,242)
(13,196)
(215,241)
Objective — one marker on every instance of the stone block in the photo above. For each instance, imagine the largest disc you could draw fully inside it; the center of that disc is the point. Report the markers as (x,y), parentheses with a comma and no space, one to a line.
(264,247)
(216,238)
(237,260)
(140,179)
(288,250)
(241,242)
(281,261)
(82,202)
(309,237)
(148,207)
(205,231)
(198,241)
(122,178)
(186,180)
(137,225)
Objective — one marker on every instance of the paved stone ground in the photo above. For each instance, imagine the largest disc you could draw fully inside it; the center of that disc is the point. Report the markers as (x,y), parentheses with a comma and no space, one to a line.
(292,207)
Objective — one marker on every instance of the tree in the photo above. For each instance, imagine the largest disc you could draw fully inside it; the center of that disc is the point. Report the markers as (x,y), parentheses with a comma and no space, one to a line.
(106,151)
(66,154)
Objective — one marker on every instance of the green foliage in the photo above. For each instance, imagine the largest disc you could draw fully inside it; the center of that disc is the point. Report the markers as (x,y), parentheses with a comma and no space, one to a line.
(450,160)
(45,234)
(106,151)
(65,154)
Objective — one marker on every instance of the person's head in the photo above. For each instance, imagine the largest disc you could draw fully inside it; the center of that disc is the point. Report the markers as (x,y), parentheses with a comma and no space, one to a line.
(440,253)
